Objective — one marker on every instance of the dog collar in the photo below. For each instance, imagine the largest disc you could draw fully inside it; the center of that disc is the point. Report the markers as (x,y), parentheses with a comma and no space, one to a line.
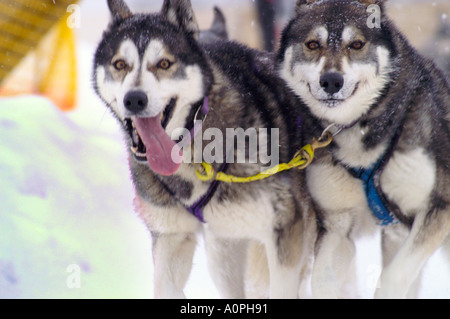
(334,129)
(197,125)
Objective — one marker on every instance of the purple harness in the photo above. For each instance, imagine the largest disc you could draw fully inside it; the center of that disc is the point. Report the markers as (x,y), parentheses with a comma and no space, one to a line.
(197,208)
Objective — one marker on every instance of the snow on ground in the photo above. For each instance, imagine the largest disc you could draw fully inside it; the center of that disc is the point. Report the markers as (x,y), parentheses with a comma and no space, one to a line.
(67,225)
(65,200)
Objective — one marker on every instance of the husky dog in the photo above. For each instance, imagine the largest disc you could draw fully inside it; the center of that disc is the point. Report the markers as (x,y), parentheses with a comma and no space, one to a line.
(388,108)
(153,74)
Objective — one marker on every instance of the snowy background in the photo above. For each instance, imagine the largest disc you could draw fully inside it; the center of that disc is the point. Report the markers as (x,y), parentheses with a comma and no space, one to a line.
(67,225)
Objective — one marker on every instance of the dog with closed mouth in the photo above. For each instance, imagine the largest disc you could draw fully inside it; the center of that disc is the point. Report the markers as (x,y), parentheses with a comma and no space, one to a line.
(388,108)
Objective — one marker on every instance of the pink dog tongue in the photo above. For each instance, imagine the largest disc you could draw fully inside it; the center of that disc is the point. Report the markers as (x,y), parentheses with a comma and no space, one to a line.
(159,146)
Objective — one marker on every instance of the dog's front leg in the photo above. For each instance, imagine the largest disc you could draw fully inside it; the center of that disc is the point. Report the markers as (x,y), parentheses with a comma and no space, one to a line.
(172,259)
(284,278)
(285,257)
(334,258)
(226,263)
(428,233)
(393,237)
(340,198)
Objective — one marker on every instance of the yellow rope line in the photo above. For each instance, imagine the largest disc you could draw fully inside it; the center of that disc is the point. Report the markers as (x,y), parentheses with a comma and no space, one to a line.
(301,160)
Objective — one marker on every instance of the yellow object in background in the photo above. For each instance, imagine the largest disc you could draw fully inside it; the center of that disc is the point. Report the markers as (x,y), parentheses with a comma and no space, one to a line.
(37,50)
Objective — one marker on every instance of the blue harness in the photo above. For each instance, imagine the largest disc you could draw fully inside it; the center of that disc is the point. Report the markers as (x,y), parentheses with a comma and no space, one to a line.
(370,178)
(375,197)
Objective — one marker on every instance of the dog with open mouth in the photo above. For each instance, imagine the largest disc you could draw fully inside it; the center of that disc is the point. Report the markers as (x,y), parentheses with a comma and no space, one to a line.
(155,75)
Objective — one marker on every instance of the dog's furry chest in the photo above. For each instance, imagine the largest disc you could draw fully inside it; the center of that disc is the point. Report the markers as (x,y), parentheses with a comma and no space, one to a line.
(234,211)
(406,179)
(248,217)
(352,152)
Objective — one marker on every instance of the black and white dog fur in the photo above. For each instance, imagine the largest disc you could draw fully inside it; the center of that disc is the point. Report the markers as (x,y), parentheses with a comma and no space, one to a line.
(391,104)
(153,73)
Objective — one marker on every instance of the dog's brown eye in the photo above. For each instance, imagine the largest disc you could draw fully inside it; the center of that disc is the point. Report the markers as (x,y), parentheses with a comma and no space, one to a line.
(357,45)
(120,65)
(313,45)
(164,64)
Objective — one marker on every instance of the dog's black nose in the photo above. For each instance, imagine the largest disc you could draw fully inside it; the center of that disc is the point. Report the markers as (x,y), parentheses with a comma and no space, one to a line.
(332,82)
(135,101)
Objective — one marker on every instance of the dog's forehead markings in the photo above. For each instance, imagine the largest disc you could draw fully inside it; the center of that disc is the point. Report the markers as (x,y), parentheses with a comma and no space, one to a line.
(128,51)
(321,33)
(155,51)
(348,34)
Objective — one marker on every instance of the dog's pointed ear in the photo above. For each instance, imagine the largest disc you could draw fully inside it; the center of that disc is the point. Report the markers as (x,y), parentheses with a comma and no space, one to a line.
(181,14)
(303,3)
(219,25)
(119,10)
